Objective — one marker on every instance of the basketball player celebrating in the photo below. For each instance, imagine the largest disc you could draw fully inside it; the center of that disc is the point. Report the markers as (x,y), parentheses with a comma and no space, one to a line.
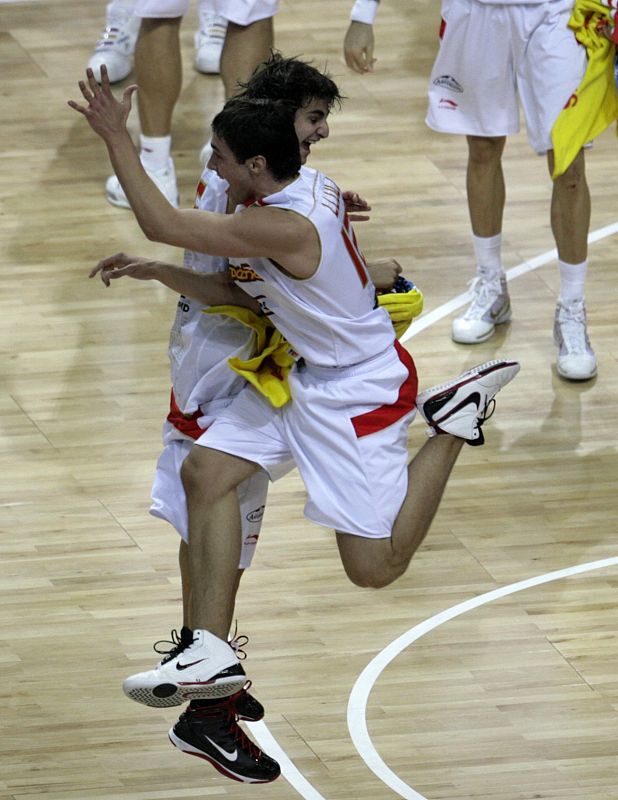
(291,247)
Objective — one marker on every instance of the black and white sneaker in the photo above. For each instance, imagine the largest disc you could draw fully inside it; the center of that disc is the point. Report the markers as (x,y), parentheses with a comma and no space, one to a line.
(461,406)
(212,732)
(203,667)
(247,707)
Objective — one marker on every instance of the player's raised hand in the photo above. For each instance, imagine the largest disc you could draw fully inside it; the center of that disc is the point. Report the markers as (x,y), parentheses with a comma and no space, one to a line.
(106,115)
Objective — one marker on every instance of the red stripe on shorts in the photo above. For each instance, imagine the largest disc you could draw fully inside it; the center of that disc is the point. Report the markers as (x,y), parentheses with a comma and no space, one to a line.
(382,417)
(185,423)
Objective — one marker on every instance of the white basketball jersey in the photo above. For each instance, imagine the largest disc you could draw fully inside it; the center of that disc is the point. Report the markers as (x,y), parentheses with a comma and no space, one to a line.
(200,344)
(330,319)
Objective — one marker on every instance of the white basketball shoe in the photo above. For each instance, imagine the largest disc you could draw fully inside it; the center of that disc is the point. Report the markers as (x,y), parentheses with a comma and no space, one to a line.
(165,180)
(205,668)
(490,306)
(117,43)
(209,40)
(576,358)
(461,406)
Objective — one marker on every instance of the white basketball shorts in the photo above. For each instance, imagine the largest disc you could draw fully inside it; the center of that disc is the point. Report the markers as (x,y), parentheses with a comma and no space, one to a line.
(346,430)
(169,502)
(494,56)
(241,12)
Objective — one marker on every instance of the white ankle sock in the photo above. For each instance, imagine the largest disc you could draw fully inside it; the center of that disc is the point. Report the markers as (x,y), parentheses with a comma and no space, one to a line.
(488,251)
(154,151)
(572,280)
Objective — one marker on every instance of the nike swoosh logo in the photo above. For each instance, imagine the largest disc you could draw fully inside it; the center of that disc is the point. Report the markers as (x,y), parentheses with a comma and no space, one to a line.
(190,664)
(472,400)
(230,756)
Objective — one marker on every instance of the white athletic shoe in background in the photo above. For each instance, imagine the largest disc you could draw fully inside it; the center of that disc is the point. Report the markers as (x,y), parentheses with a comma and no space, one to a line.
(204,669)
(117,43)
(576,358)
(165,179)
(461,406)
(209,41)
(490,306)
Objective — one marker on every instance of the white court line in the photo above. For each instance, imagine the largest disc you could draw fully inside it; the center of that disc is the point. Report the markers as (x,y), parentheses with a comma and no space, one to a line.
(356,713)
(289,771)
(357,704)
(426,320)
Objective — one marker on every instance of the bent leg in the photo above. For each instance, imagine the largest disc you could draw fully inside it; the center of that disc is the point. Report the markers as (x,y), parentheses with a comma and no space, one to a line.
(210,478)
(377,562)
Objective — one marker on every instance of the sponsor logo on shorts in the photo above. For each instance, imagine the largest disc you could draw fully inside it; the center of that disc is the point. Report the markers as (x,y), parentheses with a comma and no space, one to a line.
(243,273)
(448,82)
(183,305)
(256,515)
(449,105)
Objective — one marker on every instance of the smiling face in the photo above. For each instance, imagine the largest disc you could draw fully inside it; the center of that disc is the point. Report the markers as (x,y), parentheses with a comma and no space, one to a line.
(225,164)
(311,125)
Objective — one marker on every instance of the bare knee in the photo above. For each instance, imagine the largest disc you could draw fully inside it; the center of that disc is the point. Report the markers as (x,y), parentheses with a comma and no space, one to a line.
(371,579)
(370,563)
(485,151)
(197,476)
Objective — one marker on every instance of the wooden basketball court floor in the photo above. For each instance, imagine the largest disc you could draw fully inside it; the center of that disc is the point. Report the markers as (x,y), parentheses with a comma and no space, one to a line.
(511,693)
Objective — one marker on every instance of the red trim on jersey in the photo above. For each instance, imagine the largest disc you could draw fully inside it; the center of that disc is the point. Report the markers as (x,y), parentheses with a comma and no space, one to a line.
(356,257)
(185,423)
(382,417)
(442,28)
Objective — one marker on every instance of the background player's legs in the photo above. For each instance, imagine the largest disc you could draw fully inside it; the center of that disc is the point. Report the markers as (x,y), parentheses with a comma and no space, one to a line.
(486,198)
(378,562)
(245,47)
(570,222)
(159,78)
(485,184)
(570,211)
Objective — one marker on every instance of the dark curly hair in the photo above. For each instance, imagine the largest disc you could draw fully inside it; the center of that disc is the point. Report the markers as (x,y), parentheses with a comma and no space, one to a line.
(294,81)
(258,126)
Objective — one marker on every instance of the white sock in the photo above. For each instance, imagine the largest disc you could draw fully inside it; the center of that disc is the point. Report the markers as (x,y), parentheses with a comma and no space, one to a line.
(572,280)
(155,151)
(488,251)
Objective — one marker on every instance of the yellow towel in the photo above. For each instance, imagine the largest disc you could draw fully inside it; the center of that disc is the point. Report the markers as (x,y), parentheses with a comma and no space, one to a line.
(594,105)
(402,307)
(267,371)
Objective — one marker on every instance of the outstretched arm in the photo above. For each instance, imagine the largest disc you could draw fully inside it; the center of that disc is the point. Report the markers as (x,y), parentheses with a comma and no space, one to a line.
(212,289)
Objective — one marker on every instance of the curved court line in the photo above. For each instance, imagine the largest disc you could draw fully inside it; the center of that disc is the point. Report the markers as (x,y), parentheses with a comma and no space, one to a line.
(262,734)
(521,269)
(357,703)
(289,771)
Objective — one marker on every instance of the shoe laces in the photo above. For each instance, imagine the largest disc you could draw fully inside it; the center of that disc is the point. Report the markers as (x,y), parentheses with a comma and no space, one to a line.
(114,28)
(238,642)
(487,412)
(177,646)
(484,292)
(571,320)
